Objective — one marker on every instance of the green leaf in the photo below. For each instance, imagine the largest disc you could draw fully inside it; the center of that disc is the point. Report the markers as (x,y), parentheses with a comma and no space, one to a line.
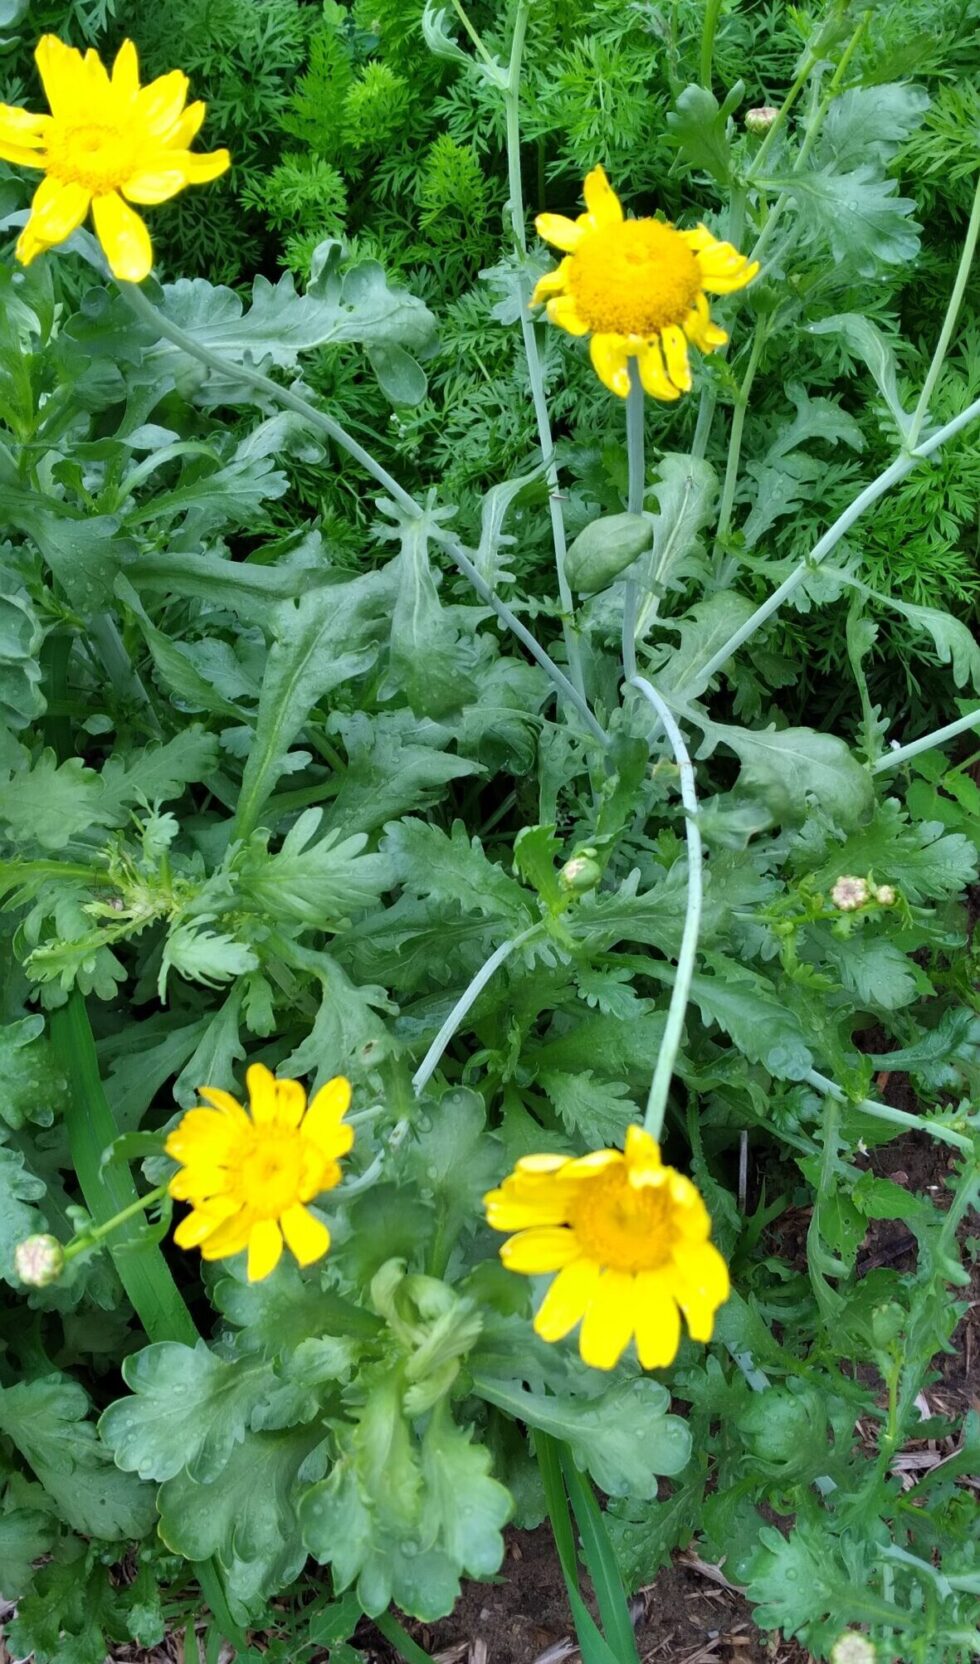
(18,1187)
(452,1160)
(189,1409)
(454,869)
(158,773)
(705,628)
(428,661)
(21,633)
(469,1507)
(395,763)
(246,1520)
(319,641)
(624,1438)
(868,124)
(747,1007)
(865,339)
(686,489)
(953,640)
(698,125)
(875,971)
(33,1085)
(50,803)
(535,849)
(923,861)
(347,1035)
(317,884)
(596,1111)
(856,214)
(203,955)
(791,768)
(795,1579)
(26,1535)
(400,376)
(46,1420)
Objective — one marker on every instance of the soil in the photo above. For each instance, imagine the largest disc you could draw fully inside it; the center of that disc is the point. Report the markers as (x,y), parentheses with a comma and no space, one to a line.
(684,1617)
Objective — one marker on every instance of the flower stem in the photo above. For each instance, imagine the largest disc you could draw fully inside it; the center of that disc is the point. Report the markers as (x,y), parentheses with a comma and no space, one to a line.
(634,503)
(680,994)
(735,438)
(949,322)
(319,419)
(939,736)
(429,1063)
(88,1238)
(885,1112)
(711,10)
(896,470)
(512,98)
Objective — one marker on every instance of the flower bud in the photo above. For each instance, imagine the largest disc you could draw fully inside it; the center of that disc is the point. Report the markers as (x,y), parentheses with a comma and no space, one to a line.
(580,874)
(604,549)
(853,1648)
(885,895)
(759,120)
(39,1260)
(848,894)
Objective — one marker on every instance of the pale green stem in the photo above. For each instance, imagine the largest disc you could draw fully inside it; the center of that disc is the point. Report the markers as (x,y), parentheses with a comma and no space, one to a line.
(118,666)
(430,1061)
(634,503)
(681,991)
(949,322)
(939,736)
(735,437)
(285,396)
(94,1233)
(896,471)
(512,96)
(711,10)
(473,34)
(884,1112)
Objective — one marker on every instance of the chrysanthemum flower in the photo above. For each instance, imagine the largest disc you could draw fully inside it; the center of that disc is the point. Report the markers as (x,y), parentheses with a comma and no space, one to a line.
(639,288)
(628,1238)
(108,142)
(248,1176)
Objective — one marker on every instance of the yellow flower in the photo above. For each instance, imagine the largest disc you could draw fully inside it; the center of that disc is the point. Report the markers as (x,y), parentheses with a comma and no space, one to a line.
(249,1178)
(107,142)
(629,1240)
(639,287)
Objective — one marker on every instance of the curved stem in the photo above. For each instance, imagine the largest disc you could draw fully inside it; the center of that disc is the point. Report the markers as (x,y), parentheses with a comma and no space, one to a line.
(319,419)
(430,1061)
(634,503)
(539,400)
(939,736)
(949,322)
(680,994)
(885,1112)
(897,470)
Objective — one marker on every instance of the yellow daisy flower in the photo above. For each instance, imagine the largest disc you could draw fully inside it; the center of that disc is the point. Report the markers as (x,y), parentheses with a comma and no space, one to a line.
(639,287)
(248,1174)
(628,1238)
(107,142)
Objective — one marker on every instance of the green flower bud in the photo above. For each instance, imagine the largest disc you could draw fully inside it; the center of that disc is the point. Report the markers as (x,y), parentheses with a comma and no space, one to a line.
(759,120)
(39,1260)
(605,549)
(853,1648)
(580,875)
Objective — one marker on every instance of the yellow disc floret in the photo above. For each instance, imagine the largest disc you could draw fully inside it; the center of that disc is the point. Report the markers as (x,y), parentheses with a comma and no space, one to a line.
(107,143)
(249,1175)
(639,288)
(628,1238)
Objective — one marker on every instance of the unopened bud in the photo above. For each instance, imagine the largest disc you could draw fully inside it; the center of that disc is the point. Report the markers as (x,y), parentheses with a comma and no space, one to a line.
(580,874)
(759,120)
(853,1648)
(848,894)
(885,895)
(39,1260)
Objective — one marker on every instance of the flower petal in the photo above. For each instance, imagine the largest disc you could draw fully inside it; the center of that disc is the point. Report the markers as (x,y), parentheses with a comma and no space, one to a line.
(125,76)
(200,168)
(161,102)
(150,188)
(701,1286)
(261,1083)
(552,283)
(225,1102)
(63,77)
(609,361)
(658,1322)
(561,232)
(653,375)
(675,353)
(202,1134)
(22,136)
(56,211)
(543,1248)
(186,127)
(563,311)
(327,1109)
(199,1224)
(698,327)
(124,237)
(567,1299)
(607,1327)
(264,1249)
(601,200)
(306,1236)
(229,1238)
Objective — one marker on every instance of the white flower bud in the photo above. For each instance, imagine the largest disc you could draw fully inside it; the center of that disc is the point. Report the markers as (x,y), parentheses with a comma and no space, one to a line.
(39,1260)
(885,895)
(853,1648)
(848,894)
(759,120)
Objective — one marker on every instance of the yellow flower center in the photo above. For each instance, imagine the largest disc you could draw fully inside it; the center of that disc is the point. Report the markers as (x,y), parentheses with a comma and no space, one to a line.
(621,1226)
(93,155)
(274,1168)
(634,278)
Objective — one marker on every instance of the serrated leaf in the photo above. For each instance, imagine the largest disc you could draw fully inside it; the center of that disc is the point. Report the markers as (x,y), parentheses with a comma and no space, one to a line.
(868,124)
(698,125)
(201,955)
(596,1111)
(923,861)
(395,763)
(318,884)
(866,340)
(704,629)
(188,1409)
(50,803)
(45,1418)
(790,768)
(21,633)
(468,1507)
(875,971)
(453,869)
(857,214)
(954,642)
(747,1007)
(347,1036)
(158,773)
(685,492)
(535,849)
(427,659)
(18,1188)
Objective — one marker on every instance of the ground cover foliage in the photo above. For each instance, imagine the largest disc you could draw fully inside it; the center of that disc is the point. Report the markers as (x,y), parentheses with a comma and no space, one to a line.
(278,781)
